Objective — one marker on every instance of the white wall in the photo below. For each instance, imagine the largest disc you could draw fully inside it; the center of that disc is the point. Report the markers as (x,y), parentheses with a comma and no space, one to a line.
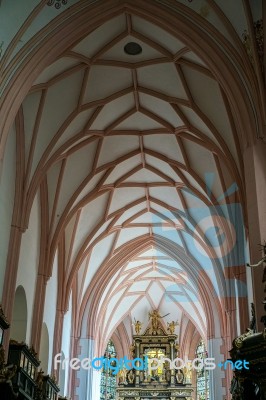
(63,372)
(44,349)
(29,261)
(7,190)
(65,348)
(50,309)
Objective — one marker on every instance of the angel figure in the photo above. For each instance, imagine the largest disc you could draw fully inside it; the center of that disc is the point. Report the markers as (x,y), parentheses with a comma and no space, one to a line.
(171,327)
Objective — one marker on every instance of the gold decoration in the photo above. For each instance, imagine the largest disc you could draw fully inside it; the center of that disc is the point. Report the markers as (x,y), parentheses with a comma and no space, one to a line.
(188,374)
(121,376)
(156,379)
(238,342)
(179,376)
(132,349)
(176,348)
(137,326)
(154,316)
(171,327)
(131,376)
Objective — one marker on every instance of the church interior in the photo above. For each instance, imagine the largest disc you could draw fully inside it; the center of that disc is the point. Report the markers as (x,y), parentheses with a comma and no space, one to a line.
(132,199)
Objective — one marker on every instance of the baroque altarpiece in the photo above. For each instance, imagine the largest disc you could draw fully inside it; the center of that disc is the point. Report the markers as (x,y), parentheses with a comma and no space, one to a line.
(163,382)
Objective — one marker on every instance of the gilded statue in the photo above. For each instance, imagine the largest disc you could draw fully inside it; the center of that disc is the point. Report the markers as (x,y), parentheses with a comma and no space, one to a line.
(132,350)
(154,372)
(188,374)
(176,348)
(171,327)
(154,316)
(179,376)
(121,376)
(138,326)
(131,376)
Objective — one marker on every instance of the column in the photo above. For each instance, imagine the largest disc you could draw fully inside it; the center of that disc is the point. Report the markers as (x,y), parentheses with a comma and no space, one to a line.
(217,375)
(172,342)
(87,381)
(255,179)
(137,356)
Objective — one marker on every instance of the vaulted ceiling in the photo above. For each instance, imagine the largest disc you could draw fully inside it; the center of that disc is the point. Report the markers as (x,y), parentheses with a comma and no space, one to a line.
(137,159)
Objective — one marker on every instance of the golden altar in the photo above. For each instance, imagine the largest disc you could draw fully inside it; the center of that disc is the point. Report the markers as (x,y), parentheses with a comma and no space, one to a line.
(158,381)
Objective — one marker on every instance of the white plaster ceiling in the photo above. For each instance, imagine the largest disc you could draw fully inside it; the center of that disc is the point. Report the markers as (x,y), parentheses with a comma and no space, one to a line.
(133,147)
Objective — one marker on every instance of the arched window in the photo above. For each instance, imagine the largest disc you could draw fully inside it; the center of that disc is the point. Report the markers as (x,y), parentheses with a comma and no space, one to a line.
(44,349)
(203,378)
(20,316)
(108,380)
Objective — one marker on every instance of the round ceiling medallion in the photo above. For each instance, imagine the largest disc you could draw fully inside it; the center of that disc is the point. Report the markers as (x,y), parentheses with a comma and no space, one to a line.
(132,48)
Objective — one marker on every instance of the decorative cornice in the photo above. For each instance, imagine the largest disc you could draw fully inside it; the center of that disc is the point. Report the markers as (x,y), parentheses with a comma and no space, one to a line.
(31,349)
(238,342)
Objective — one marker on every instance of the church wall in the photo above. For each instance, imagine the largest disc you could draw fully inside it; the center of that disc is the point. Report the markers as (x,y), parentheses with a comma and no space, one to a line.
(7,191)
(28,262)
(50,309)
(65,348)
(44,349)
(255,167)
(217,391)
(87,381)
